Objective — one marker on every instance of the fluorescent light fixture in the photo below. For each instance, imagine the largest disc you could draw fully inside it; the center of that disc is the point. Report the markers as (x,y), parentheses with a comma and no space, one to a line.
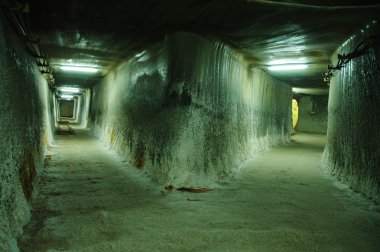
(288,67)
(80,69)
(302,60)
(69,89)
(311,91)
(67,96)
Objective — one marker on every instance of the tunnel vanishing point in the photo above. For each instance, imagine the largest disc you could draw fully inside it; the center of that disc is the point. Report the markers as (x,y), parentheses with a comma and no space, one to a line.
(186,94)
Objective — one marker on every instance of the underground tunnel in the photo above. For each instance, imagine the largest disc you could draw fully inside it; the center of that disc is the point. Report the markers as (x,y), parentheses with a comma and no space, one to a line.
(246,125)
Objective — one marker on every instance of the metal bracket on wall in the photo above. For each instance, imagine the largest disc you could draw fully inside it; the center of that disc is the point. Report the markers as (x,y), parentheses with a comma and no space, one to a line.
(344,59)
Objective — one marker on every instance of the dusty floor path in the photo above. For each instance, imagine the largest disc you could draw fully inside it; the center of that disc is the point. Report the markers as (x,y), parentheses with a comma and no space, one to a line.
(90,201)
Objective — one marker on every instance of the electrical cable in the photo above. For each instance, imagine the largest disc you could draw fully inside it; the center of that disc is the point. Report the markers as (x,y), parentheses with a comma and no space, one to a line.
(344,59)
(17,15)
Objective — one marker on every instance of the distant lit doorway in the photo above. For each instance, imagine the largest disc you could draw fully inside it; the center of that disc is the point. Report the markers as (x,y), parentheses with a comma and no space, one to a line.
(294,113)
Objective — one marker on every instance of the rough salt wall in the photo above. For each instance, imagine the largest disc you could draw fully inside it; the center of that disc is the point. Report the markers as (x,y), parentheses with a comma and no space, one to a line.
(189,110)
(85,108)
(352,152)
(25,131)
(312,114)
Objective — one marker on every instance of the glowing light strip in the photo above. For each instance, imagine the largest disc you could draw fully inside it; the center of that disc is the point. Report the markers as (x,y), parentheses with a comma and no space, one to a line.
(80,69)
(288,67)
(67,96)
(70,89)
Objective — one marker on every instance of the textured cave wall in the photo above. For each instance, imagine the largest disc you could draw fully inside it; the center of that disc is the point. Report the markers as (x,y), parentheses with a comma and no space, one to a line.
(85,108)
(352,152)
(25,131)
(312,114)
(189,110)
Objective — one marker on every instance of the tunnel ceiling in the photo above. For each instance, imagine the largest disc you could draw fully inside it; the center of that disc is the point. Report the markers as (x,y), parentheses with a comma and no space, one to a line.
(104,33)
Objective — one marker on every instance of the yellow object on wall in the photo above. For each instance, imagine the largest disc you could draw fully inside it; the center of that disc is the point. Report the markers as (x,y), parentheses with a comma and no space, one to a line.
(294,112)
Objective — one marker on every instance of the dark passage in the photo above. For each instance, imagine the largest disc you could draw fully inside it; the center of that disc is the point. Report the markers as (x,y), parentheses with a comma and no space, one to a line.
(66,109)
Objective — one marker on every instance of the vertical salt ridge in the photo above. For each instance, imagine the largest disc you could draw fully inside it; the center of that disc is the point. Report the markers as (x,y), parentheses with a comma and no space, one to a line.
(199,122)
(352,152)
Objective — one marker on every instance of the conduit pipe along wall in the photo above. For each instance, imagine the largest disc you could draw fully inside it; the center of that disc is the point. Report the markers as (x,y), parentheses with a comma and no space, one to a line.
(25,131)
(189,110)
(352,151)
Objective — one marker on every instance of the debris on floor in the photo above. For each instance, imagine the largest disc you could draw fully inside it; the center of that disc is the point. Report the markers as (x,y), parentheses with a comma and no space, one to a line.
(47,159)
(64,128)
(194,190)
(169,188)
(188,199)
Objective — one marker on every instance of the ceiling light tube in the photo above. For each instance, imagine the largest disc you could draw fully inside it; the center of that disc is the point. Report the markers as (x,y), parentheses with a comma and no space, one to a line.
(80,69)
(288,67)
(69,89)
(67,96)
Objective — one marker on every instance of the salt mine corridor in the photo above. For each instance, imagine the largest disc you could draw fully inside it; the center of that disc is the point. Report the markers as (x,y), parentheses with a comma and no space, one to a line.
(215,125)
